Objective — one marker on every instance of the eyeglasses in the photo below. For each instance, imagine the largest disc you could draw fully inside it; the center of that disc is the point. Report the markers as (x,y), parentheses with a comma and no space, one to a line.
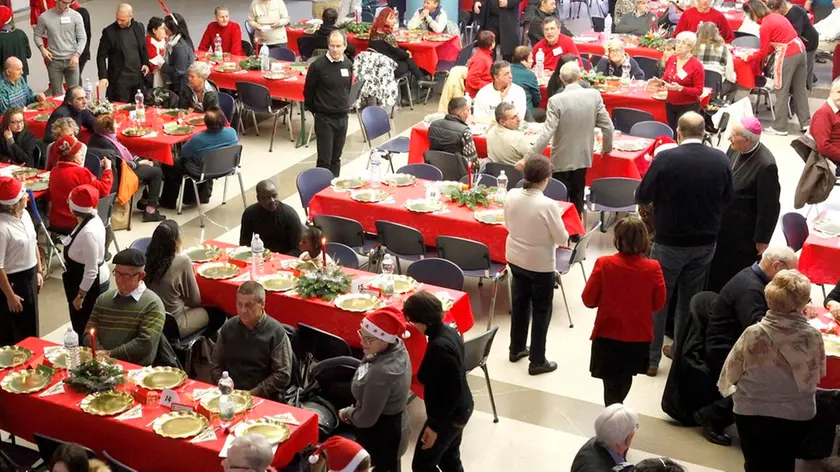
(124,275)
(366,339)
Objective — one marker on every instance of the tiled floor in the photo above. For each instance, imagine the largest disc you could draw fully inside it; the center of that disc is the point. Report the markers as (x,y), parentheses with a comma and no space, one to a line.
(543,420)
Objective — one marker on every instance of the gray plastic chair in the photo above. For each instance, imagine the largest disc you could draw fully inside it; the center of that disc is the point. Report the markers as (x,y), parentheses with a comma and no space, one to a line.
(105,207)
(612,195)
(450,165)
(116,466)
(228,104)
(422,171)
(282,54)
(555,189)
(343,255)
(402,241)
(565,259)
(255,98)
(141,244)
(624,118)
(715,81)
(748,41)
(476,353)
(648,65)
(346,231)
(310,182)
(651,129)
(495,168)
(217,164)
(436,271)
(375,123)
(482,179)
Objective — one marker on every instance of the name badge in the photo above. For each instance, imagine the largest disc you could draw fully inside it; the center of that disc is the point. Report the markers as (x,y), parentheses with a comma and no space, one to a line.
(557,51)
(681,74)
(65,20)
(345,73)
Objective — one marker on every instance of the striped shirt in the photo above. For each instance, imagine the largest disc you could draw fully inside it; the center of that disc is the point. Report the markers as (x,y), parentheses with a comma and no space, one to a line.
(16,95)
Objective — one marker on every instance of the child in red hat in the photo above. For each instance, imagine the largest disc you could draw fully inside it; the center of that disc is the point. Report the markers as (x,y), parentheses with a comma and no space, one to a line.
(339,454)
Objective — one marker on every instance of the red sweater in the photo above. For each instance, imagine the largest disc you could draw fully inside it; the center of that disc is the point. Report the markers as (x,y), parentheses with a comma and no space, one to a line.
(825,128)
(478,71)
(692,18)
(692,81)
(64,177)
(231,38)
(563,46)
(627,290)
(775,28)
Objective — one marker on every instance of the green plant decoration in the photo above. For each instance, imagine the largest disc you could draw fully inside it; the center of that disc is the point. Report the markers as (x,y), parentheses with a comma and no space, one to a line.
(94,376)
(323,283)
(473,197)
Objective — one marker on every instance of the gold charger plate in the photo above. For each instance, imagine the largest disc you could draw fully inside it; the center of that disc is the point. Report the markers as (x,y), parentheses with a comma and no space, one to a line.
(41,117)
(275,432)
(445,300)
(178,130)
(136,132)
(490,217)
(218,270)
(421,205)
(195,120)
(448,186)
(629,145)
(279,282)
(24,381)
(159,378)
(369,195)
(45,105)
(276,76)
(13,356)
(243,254)
(226,69)
(243,400)
(348,183)
(400,180)
(202,252)
(180,424)
(357,302)
(173,112)
(107,403)
(60,358)
(25,173)
(660,95)
(127,107)
(439,37)
(37,185)
(402,283)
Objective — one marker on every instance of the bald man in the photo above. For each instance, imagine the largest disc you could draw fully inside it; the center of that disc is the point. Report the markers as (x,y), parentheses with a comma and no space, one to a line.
(14,91)
(277,224)
(122,59)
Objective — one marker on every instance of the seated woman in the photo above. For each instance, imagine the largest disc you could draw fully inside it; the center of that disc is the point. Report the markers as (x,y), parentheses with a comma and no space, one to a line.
(430,18)
(478,67)
(383,41)
(668,50)
(68,174)
(60,127)
(310,246)
(714,54)
(321,36)
(614,60)
(147,172)
(615,428)
(19,145)
(638,22)
(70,457)
(181,54)
(203,94)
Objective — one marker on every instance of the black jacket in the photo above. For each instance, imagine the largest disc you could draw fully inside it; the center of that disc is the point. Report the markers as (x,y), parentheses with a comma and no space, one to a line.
(535,27)
(593,457)
(606,67)
(21,150)
(109,56)
(446,392)
(322,40)
(85,57)
(209,100)
(84,119)
(834,295)
(506,19)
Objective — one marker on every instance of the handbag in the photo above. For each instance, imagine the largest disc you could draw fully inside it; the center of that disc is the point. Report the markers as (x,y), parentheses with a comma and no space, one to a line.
(129,183)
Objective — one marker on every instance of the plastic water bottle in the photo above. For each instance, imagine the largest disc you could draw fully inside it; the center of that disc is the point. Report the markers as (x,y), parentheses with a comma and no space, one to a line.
(139,107)
(502,179)
(375,169)
(257,249)
(539,63)
(387,264)
(71,346)
(265,59)
(217,46)
(227,407)
(608,25)
(89,89)
(387,269)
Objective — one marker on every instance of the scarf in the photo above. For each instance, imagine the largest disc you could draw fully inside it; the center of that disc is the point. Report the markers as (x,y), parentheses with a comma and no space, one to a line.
(124,152)
(174,40)
(389,38)
(160,46)
(797,343)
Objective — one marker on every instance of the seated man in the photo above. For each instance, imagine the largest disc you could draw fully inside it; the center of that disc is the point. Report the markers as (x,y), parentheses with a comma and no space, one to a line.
(501,89)
(546,9)
(229,31)
(452,134)
(322,34)
(277,224)
(638,22)
(829,29)
(14,91)
(75,106)
(216,136)
(505,143)
(253,347)
(429,18)
(128,319)
(554,44)
(825,125)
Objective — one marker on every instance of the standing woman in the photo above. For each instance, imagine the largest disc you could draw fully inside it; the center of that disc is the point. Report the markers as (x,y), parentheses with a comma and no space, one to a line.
(449,403)
(790,69)
(627,288)
(684,78)
(156,47)
(801,22)
(535,229)
(21,276)
(181,54)
(87,275)
(380,388)
(774,369)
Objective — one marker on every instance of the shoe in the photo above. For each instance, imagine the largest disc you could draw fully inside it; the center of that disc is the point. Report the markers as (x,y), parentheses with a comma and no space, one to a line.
(715,437)
(153,217)
(544,368)
(517,356)
(666,350)
(142,204)
(652,371)
(774,132)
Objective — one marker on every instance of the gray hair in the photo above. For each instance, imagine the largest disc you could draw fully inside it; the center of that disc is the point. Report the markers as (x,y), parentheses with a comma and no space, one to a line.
(615,424)
(688,37)
(252,288)
(570,72)
(201,69)
(751,137)
(257,451)
(220,8)
(339,33)
(501,109)
(781,254)
(497,67)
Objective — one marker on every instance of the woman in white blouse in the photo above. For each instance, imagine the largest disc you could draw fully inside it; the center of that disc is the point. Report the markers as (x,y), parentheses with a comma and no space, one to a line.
(21,276)
(535,229)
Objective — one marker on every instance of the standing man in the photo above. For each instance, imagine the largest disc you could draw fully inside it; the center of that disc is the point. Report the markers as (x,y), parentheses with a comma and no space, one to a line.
(229,31)
(269,19)
(66,40)
(689,187)
(750,219)
(570,122)
(326,94)
(546,9)
(122,59)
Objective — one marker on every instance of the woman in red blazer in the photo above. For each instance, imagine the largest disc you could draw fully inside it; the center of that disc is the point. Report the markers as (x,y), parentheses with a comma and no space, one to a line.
(627,288)
(684,78)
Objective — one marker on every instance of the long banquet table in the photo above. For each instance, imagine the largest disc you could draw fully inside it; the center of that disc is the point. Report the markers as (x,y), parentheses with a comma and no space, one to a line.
(825,323)
(454,220)
(820,259)
(133,441)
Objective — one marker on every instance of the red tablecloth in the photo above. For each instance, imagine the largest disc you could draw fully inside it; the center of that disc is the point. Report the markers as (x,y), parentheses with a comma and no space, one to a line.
(425,53)
(617,164)
(37,194)
(133,441)
(456,221)
(832,363)
(158,148)
(289,89)
(820,259)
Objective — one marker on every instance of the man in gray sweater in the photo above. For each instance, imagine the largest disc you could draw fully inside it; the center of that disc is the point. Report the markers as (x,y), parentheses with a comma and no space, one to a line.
(64,31)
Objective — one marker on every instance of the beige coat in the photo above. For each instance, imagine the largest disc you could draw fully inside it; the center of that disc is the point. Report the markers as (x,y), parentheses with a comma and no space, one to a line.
(453,87)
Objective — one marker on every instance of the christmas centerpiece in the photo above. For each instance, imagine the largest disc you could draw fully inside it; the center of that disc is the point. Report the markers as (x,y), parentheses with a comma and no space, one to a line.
(325,283)
(471,197)
(95,376)
(357,28)
(252,63)
(654,39)
(101,107)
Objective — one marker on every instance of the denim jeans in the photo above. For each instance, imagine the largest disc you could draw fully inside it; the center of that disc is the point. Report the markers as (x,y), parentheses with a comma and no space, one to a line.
(59,72)
(685,269)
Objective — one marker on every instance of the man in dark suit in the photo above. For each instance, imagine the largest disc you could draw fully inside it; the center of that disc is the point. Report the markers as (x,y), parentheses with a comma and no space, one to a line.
(122,59)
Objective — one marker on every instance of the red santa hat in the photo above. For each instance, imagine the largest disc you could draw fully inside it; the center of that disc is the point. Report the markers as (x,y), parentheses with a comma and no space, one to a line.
(387,324)
(11,190)
(343,455)
(83,199)
(68,147)
(663,143)
(5,15)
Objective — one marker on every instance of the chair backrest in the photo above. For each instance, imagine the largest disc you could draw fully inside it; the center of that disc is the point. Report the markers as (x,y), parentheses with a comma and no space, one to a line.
(746,41)
(555,189)
(495,168)
(104,208)
(116,466)
(375,122)
(355,92)
(343,255)
(282,54)
(340,230)
(465,253)
(247,48)
(310,182)
(587,66)
(651,129)
(36,157)
(482,179)
(422,171)
(141,244)
(450,165)
(594,58)
(47,446)
(713,80)
(439,272)
(227,103)
(465,54)
(648,65)
(33,208)
(321,344)
(613,192)
(597,23)
(579,251)
(221,162)
(625,118)
(306,44)
(477,349)
(254,97)
(400,239)
(795,229)
(170,330)
(93,163)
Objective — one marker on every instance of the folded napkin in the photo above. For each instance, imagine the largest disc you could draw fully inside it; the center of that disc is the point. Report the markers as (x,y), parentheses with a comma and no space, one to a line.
(208,434)
(287,418)
(153,134)
(133,413)
(200,392)
(54,390)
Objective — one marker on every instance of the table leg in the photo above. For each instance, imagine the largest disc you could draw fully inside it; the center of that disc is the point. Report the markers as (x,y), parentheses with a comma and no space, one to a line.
(302,136)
